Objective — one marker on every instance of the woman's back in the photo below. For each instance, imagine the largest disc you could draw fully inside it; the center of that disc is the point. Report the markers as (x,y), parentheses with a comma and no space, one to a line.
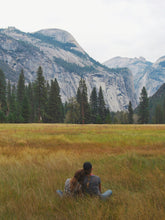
(68,191)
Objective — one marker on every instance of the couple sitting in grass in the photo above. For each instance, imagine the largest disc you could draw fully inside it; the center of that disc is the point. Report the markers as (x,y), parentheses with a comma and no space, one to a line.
(84,183)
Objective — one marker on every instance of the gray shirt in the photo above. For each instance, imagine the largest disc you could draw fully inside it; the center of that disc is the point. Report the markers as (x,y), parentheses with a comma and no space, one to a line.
(91,185)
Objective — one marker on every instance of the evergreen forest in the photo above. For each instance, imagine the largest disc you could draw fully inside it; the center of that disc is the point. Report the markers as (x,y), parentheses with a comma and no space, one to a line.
(40,101)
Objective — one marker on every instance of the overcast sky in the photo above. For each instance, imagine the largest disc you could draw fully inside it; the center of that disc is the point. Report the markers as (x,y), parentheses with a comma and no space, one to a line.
(103,28)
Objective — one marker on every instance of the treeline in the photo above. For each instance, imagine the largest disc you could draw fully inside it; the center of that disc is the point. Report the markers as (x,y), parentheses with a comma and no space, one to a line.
(79,110)
(40,101)
(149,111)
(36,102)
(158,116)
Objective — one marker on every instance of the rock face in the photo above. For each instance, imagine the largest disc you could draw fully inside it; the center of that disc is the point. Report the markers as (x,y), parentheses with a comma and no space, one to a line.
(145,73)
(61,57)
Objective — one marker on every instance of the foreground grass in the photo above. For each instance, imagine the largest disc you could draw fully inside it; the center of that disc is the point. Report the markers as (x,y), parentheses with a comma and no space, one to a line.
(36,159)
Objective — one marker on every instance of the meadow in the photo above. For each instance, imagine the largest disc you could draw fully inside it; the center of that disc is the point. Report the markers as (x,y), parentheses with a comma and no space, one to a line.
(36,159)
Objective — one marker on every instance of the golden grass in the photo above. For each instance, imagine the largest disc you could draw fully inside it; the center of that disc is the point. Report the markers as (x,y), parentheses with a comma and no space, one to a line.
(36,159)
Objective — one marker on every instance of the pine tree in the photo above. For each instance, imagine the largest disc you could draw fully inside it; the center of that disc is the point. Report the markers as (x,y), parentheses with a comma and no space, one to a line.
(25,110)
(20,95)
(2,117)
(101,106)
(21,88)
(130,113)
(30,96)
(3,102)
(33,100)
(163,109)
(9,96)
(94,105)
(158,115)
(55,111)
(40,95)
(82,99)
(60,108)
(9,103)
(108,117)
(13,115)
(143,111)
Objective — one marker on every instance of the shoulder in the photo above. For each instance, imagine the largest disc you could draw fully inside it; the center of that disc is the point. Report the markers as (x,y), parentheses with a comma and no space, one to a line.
(96,178)
(67,181)
(92,178)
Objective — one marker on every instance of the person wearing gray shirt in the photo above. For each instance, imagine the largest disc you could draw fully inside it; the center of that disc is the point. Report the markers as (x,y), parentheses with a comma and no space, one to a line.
(92,184)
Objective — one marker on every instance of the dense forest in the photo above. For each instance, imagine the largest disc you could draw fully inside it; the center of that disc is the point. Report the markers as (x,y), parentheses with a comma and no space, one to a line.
(40,101)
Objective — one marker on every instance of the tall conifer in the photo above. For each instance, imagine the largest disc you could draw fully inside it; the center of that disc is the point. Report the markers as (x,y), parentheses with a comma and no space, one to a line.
(30,96)
(40,94)
(55,114)
(101,106)
(25,109)
(20,95)
(9,96)
(94,105)
(158,114)
(21,88)
(82,99)
(143,111)
(3,103)
(130,113)
(108,119)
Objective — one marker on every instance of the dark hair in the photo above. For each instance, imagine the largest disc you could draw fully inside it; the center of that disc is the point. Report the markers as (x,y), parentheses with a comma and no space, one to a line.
(87,167)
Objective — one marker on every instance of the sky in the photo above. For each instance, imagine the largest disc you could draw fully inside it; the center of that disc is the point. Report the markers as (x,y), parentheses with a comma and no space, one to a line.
(103,28)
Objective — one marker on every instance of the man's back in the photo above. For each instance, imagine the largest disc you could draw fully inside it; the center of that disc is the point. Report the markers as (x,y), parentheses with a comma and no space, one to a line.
(91,185)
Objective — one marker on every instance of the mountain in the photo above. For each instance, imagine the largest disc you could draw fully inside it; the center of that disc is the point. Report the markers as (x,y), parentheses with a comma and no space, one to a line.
(61,57)
(145,73)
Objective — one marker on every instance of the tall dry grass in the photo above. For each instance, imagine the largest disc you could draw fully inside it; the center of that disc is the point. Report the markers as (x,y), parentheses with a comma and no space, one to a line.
(36,159)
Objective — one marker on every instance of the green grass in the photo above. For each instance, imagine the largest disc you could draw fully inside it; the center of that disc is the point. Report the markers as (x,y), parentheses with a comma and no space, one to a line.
(36,159)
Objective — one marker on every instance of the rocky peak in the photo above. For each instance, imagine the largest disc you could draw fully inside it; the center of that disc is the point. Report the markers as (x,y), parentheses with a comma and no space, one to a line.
(62,58)
(145,73)
(59,35)
(160,62)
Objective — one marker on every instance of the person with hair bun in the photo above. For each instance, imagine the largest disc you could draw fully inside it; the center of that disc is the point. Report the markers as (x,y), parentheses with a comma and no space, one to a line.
(92,184)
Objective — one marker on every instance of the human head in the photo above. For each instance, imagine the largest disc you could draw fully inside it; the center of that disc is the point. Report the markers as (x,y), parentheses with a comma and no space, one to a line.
(87,166)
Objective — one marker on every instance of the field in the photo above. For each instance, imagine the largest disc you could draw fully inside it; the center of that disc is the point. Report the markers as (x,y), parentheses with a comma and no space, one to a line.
(36,159)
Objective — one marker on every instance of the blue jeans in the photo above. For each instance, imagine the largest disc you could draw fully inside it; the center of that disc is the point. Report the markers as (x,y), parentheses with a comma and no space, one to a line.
(106,194)
(60,193)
